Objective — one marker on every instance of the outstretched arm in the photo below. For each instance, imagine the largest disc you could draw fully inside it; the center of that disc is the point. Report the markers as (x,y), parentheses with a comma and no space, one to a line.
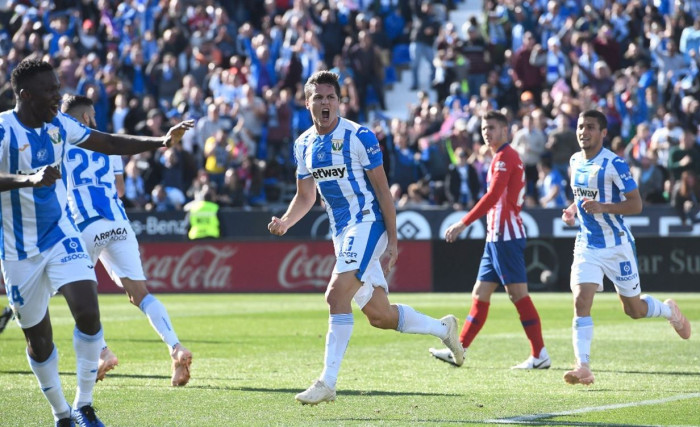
(109,143)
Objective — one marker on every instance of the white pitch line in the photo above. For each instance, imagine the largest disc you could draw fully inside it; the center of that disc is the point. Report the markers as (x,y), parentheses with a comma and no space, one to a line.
(535,417)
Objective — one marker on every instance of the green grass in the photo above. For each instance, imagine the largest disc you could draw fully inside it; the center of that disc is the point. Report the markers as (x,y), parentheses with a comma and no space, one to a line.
(252,353)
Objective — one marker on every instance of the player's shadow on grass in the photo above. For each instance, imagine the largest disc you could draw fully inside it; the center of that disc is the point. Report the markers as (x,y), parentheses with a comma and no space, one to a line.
(110,375)
(677,373)
(348,392)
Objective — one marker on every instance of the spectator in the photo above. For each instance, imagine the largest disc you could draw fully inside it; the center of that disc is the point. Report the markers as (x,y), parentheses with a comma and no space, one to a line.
(649,178)
(530,142)
(462,182)
(425,30)
(684,156)
(685,196)
(551,185)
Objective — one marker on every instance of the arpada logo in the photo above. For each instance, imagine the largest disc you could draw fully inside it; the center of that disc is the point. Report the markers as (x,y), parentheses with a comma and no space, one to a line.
(329,173)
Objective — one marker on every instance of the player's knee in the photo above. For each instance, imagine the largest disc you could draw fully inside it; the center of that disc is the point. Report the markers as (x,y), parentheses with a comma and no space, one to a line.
(87,319)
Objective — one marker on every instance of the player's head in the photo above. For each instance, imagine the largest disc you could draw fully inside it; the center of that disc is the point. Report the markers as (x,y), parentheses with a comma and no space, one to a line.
(36,86)
(81,108)
(322,95)
(591,129)
(494,128)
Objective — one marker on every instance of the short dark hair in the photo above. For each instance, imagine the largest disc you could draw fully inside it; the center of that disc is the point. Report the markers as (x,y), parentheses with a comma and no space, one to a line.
(321,77)
(495,115)
(25,71)
(598,116)
(74,101)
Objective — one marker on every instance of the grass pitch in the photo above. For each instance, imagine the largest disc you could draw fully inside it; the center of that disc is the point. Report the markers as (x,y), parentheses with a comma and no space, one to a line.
(253,353)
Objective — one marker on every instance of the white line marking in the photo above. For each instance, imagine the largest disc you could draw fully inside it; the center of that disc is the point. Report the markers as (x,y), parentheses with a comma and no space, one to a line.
(535,417)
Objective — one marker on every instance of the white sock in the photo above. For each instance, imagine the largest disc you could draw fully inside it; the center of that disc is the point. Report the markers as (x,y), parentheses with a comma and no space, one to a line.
(339,332)
(46,373)
(656,308)
(160,321)
(582,337)
(87,354)
(415,322)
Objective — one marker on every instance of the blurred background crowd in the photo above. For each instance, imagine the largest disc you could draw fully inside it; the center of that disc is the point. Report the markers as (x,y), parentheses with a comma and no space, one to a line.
(237,67)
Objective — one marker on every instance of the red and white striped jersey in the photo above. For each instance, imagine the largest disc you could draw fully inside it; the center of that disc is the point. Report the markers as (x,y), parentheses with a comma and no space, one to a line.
(503,199)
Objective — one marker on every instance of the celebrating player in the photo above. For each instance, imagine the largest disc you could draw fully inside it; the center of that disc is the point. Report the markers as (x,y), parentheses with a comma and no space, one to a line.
(604,191)
(94,180)
(42,250)
(345,162)
(503,261)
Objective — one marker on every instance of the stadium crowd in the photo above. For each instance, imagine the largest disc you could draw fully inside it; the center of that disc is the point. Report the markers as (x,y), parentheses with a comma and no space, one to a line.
(238,69)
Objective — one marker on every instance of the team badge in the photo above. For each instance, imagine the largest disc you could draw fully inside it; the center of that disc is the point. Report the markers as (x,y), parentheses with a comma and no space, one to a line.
(55,135)
(337,144)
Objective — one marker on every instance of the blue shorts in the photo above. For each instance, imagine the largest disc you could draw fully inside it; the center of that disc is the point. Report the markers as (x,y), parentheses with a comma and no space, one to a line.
(503,262)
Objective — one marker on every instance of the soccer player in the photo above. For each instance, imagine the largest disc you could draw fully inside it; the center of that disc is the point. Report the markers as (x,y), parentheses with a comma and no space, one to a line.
(41,250)
(95,181)
(503,261)
(344,161)
(604,191)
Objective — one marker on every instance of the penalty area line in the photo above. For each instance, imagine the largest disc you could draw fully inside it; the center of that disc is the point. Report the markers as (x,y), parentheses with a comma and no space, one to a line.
(535,417)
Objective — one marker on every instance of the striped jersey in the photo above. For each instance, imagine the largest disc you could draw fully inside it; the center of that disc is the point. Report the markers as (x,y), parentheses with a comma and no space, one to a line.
(35,219)
(337,162)
(503,199)
(92,193)
(604,178)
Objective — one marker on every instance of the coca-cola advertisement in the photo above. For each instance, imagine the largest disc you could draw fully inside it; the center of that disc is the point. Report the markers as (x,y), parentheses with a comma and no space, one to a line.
(300,266)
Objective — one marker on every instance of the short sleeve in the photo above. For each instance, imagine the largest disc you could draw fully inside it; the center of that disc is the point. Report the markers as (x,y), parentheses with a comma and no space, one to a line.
(623,177)
(299,152)
(117,164)
(371,153)
(76,132)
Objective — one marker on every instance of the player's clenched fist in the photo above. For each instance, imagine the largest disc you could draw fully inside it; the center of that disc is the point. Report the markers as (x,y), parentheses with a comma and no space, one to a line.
(277,227)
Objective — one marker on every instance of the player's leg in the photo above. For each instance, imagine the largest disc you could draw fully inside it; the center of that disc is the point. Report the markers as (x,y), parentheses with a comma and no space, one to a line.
(95,243)
(582,334)
(623,272)
(28,291)
(339,295)
(160,321)
(5,317)
(530,319)
(71,268)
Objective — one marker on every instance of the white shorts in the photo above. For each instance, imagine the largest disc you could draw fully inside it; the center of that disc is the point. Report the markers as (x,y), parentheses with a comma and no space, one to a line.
(30,282)
(359,247)
(619,263)
(115,244)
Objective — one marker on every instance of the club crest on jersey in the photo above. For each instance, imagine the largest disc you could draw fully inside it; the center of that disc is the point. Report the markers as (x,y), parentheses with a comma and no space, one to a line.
(55,135)
(337,144)
(585,193)
(500,166)
(329,173)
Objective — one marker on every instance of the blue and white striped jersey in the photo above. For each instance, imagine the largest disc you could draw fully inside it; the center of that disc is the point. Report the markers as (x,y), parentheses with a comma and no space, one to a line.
(92,193)
(35,219)
(337,162)
(604,178)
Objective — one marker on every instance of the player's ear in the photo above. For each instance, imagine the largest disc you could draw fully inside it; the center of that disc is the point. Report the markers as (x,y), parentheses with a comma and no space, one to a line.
(24,94)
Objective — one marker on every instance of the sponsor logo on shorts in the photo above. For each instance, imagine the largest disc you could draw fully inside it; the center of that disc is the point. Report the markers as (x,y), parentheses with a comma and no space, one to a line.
(329,173)
(112,235)
(74,250)
(626,273)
